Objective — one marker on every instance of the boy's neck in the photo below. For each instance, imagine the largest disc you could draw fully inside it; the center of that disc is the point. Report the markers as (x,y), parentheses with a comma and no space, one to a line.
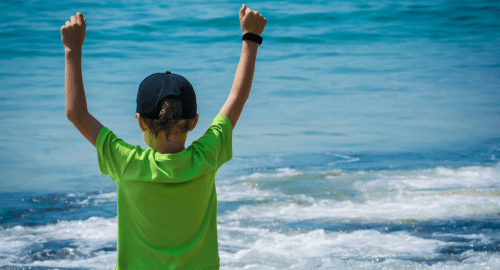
(174,144)
(171,148)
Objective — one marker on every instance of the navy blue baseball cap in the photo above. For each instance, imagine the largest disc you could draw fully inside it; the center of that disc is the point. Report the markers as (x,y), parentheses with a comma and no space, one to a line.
(158,86)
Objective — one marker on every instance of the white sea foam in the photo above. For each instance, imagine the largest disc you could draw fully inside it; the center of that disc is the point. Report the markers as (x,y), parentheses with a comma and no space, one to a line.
(314,248)
(280,173)
(247,191)
(472,260)
(383,195)
(86,236)
(253,248)
(345,159)
(102,198)
(102,260)
(438,178)
(75,194)
(478,237)
(106,197)
(418,208)
(232,193)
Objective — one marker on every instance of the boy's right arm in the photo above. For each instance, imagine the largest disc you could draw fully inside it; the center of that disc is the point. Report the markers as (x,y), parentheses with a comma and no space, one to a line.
(253,22)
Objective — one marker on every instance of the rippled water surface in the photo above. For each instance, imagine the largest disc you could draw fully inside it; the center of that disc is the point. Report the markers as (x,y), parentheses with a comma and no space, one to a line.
(370,139)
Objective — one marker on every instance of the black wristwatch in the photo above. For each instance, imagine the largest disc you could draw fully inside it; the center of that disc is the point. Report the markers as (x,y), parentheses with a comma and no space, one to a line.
(252,37)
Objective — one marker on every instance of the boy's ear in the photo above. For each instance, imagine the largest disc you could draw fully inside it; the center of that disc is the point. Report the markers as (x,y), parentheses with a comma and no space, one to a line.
(194,122)
(140,121)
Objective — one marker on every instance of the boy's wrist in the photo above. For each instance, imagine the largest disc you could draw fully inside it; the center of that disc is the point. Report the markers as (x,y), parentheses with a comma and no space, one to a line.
(251,44)
(69,51)
(252,37)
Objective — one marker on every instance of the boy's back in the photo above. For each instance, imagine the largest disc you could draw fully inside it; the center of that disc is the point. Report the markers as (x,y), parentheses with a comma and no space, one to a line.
(167,202)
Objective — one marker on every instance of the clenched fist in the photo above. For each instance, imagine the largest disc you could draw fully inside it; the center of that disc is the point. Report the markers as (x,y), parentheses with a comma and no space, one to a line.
(251,21)
(73,33)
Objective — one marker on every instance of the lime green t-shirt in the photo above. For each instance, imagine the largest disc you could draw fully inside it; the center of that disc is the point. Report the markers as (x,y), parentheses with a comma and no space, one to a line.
(167,204)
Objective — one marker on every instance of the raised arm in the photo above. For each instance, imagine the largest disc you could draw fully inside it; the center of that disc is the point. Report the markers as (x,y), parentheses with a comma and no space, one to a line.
(251,22)
(73,35)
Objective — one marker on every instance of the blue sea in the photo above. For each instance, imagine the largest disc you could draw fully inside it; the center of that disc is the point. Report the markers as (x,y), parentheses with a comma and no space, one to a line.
(370,140)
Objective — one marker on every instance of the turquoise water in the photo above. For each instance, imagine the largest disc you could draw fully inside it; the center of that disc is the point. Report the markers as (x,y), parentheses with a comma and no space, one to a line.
(370,138)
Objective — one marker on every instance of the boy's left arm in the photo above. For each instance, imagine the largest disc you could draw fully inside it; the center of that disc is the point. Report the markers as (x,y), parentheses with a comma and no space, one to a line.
(73,35)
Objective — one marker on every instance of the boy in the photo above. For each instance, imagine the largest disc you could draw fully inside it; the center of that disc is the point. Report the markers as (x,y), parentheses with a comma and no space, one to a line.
(167,205)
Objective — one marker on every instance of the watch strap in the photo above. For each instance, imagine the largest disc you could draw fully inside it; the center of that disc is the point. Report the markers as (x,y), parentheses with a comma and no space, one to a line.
(252,37)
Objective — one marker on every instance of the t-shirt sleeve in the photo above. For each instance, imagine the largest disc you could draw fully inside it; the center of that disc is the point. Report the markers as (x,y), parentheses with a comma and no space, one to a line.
(217,141)
(113,154)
